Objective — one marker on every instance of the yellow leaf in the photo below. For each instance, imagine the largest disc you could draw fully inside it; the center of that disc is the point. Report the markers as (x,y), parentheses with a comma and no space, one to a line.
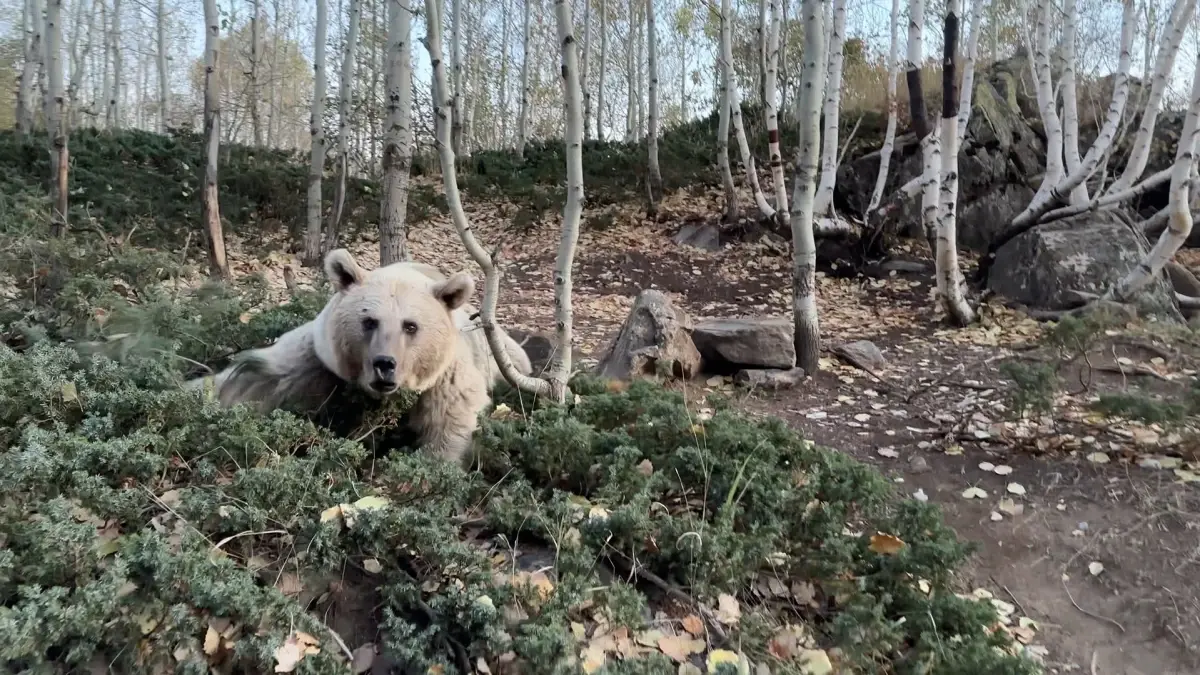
(245,317)
(331,513)
(147,624)
(371,503)
(680,648)
(212,641)
(372,565)
(287,656)
(718,656)
(69,392)
(693,625)
(649,638)
(886,544)
(815,662)
(593,659)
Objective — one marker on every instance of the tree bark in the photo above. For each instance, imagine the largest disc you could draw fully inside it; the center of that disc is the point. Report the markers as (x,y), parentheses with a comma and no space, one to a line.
(523,117)
(397,149)
(889,138)
(584,63)
(1070,118)
(735,108)
(160,58)
(806,324)
(602,70)
(772,115)
(255,57)
(655,181)
(210,205)
(113,115)
(949,276)
(345,99)
(456,111)
(732,208)
(316,129)
(832,111)
(34,52)
(930,150)
(56,119)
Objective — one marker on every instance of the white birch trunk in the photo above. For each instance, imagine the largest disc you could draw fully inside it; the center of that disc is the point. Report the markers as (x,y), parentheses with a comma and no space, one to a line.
(930,146)
(760,43)
(1044,202)
(160,60)
(735,110)
(948,274)
(806,324)
(732,208)
(255,92)
(655,182)
(1046,99)
(316,130)
(54,111)
(113,115)
(34,54)
(602,70)
(397,149)
(503,114)
(442,100)
(1070,100)
(456,110)
(210,203)
(631,81)
(345,100)
(584,63)
(523,116)
(889,138)
(1164,64)
(968,77)
(1179,224)
(640,80)
(772,115)
(76,41)
(833,97)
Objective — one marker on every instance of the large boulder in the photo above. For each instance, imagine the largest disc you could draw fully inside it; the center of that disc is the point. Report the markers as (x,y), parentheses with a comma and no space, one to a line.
(745,343)
(656,339)
(983,220)
(1044,267)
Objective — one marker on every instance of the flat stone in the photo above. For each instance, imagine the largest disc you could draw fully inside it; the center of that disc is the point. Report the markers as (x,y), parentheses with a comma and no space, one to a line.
(770,378)
(703,236)
(862,353)
(759,343)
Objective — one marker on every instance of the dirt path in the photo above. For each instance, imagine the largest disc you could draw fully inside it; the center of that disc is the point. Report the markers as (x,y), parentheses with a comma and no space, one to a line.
(937,415)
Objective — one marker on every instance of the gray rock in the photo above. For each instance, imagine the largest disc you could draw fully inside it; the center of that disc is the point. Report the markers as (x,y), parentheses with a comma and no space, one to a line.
(540,348)
(982,221)
(761,343)
(703,236)
(1045,267)
(862,353)
(770,378)
(918,464)
(656,339)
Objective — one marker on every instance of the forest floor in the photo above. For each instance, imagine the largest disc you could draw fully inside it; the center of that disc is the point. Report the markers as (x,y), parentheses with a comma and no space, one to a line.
(1089,526)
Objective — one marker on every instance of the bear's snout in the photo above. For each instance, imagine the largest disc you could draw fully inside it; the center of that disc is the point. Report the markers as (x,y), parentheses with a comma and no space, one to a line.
(385,374)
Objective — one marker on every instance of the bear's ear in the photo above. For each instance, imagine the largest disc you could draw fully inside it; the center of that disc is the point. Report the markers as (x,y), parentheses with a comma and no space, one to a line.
(455,291)
(342,270)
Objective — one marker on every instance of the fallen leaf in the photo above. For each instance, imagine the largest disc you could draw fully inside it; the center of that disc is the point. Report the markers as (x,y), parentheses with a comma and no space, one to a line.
(1095,568)
(372,565)
(996,517)
(1002,469)
(1011,507)
(1098,458)
(974,493)
(693,625)
(728,610)
(888,452)
(987,466)
(920,495)
(886,544)
(679,648)
(815,662)
(646,468)
(370,503)
(70,392)
(593,658)
(363,657)
(1016,489)
(212,641)
(718,656)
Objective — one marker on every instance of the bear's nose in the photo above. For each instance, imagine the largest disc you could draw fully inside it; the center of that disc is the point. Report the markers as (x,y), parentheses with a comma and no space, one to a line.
(385,367)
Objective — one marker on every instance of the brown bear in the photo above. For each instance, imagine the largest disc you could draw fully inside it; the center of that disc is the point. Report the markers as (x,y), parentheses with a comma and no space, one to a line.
(402,326)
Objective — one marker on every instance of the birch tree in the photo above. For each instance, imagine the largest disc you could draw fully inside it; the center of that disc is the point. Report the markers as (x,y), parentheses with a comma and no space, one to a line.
(253,75)
(732,208)
(832,111)
(345,100)
(456,110)
(654,182)
(316,129)
(54,113)
(555,385)
(113,114)
(949,276)
(584,63)
(930,150)
(523,116)
(772,115)
(889,138)
(735,108)
(160,59)
(397,149)
(806,324)
(1164,64)
(34,58)
(1070,119)
(602,70)
(210,205)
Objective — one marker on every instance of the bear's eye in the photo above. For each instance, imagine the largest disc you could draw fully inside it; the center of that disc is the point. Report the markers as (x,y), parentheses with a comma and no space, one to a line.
(370,324)
(410,327)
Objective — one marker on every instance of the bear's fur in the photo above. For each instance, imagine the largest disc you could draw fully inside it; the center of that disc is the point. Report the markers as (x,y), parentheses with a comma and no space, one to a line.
(403,326)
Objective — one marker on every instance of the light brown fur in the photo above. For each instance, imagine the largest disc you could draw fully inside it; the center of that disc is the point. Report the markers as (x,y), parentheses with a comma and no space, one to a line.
(416,318)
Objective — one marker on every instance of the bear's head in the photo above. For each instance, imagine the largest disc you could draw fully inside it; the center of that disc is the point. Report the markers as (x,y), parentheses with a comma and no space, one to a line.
(391,328)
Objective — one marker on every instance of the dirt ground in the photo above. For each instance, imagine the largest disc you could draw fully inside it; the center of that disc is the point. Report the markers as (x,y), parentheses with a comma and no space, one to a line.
(1104,557)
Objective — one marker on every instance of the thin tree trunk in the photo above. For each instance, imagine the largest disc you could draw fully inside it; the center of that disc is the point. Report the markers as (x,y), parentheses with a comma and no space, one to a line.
(397,149)
(34,57)
(968,77)
(467,96)
(456,111)
(772,115)
(442,99)
(949,276)
(1181,15)
(54,112)
(832,112)
(735,108)
(889,138)
(584,61)
(1070,101)
(345,99)
(603,70)
(732,208)
(316,129)
(930,150)
(523,117)
(77,42)
(255,57)
(806,325)
(640,80)
(210,205)
(503,113)
(106,80)
(655,182)
(761,50)
(1180,223)
(114,100)
(164,91)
